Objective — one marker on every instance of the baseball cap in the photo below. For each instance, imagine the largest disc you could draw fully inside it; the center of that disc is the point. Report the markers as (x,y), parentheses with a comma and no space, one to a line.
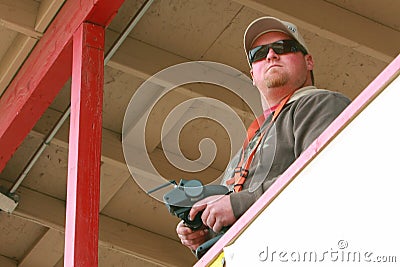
(270,24)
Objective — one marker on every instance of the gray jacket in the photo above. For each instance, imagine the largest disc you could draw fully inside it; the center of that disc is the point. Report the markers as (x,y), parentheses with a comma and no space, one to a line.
(306,115)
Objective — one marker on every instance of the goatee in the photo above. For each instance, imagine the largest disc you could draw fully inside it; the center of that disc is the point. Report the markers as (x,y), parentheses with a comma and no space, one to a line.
(276,80)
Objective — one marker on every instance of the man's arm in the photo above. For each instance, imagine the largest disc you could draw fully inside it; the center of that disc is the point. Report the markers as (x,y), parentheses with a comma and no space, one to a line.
(308,117)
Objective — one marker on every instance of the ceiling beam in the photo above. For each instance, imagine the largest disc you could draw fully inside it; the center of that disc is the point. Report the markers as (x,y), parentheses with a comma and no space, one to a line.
(129,59)
(13,59)
(27,31)
(19,16)
(112,152)
(52,243)
(6,262)
(47,11)
(334,23)
(50,248)
(113,234)
(31,30)
(46,252)
(21,13)
(110,187)
(143,61)
(45,72)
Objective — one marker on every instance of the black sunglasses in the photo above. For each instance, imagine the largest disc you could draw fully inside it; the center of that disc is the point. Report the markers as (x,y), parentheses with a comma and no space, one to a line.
(279,47)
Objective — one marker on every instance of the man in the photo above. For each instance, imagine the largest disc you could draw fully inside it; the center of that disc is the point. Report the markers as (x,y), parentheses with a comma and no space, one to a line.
(296,113)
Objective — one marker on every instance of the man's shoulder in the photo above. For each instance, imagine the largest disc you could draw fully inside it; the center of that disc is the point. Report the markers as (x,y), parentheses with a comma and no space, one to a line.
(312,93)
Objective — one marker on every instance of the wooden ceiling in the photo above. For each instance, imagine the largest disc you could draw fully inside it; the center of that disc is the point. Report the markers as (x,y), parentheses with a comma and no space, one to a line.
(351,42)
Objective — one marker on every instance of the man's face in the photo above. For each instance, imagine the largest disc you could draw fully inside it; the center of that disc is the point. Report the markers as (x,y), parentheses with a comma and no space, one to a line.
(277,71)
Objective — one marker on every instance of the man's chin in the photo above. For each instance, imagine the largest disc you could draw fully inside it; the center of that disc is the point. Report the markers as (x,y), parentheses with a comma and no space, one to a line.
(275,83)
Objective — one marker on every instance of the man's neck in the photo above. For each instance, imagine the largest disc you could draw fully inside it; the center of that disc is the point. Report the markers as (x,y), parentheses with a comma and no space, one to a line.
(298,93)
(273,96)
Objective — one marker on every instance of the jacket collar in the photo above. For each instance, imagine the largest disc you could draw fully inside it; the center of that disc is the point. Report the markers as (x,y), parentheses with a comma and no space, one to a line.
(305,91)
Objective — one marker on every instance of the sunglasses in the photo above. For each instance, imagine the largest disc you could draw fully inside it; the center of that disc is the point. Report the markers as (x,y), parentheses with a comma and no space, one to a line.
(279,47)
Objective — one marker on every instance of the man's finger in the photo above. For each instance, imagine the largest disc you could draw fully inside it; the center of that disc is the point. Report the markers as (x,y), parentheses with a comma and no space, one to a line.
(217,226)
(211,220)
(196,208)
(183,229)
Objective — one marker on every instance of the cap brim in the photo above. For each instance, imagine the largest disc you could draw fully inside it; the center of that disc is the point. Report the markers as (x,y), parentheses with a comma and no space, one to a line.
(261,26)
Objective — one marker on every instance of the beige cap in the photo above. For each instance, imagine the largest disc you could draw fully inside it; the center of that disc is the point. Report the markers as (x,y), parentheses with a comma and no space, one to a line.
(270,24)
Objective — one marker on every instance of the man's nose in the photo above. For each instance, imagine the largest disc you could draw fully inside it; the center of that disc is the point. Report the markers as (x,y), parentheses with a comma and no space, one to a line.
(271,55)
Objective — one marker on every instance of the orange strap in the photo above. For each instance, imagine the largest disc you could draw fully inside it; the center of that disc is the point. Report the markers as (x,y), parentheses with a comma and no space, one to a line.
(242,170)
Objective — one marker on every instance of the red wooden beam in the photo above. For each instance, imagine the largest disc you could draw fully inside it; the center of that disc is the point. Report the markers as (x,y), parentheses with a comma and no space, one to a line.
(83,186)
(46,71)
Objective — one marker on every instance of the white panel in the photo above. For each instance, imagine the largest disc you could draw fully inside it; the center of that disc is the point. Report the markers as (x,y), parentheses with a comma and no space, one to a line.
(343,207)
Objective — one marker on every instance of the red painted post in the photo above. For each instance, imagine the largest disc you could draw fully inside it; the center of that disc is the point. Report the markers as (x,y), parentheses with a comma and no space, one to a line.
(83,186)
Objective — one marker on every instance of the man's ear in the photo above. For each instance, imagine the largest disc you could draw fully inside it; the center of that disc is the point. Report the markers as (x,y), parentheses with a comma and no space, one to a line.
(252,77)
(309,62)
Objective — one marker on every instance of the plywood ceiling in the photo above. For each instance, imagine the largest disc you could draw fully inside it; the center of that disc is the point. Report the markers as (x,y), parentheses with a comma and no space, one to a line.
(351,42)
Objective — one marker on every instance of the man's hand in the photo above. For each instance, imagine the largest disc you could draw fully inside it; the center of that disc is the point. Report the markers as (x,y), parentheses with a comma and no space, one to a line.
(191,238)
(217,212)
